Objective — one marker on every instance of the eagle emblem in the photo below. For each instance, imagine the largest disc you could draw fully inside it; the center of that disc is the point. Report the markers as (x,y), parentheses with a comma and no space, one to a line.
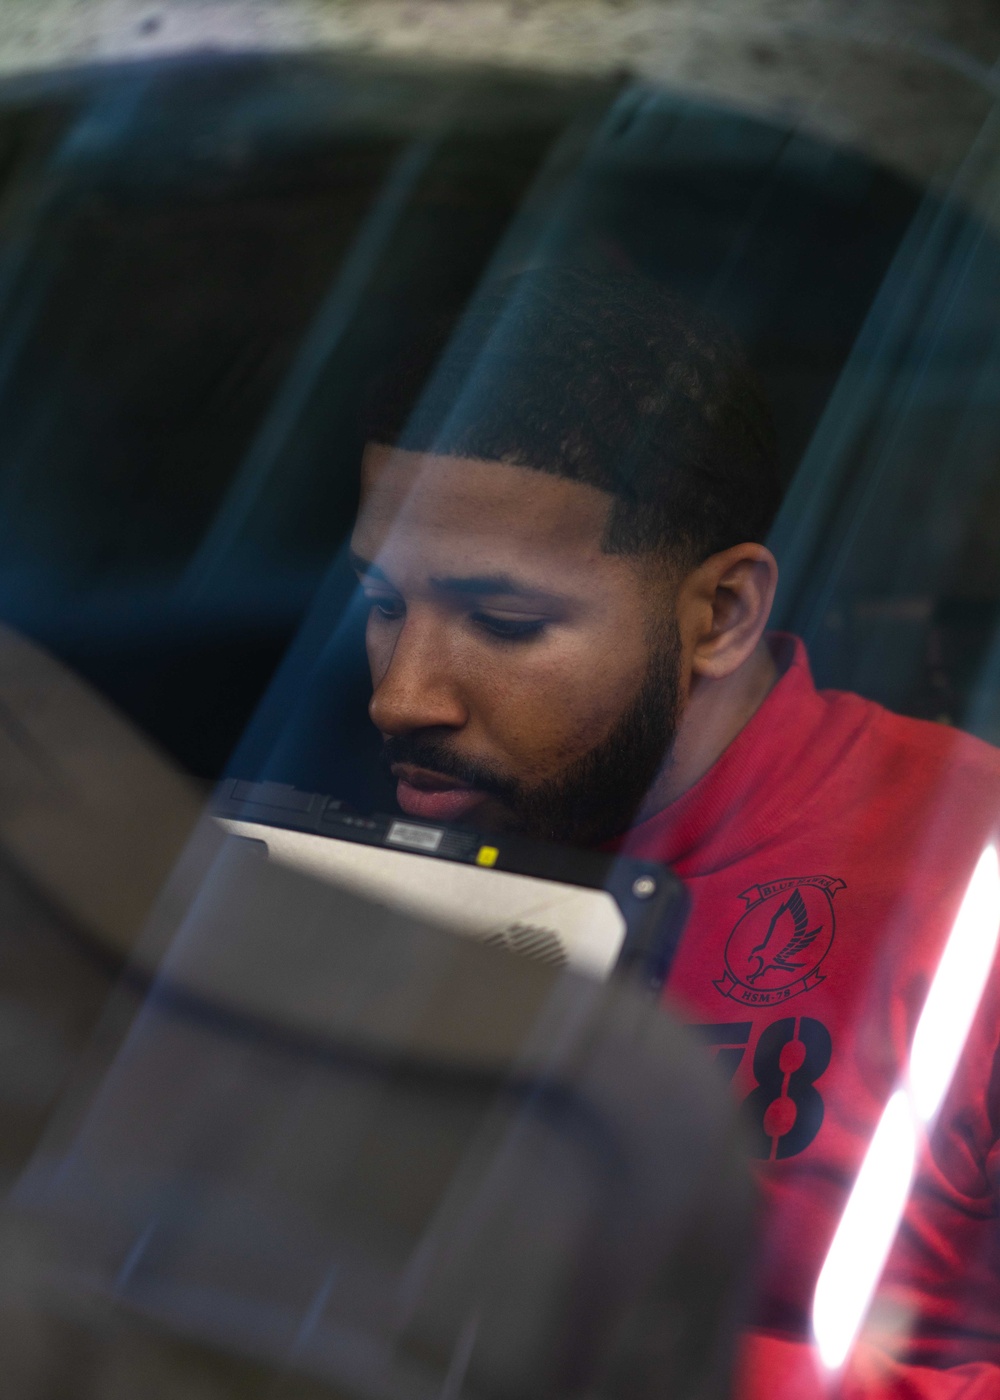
(776,948)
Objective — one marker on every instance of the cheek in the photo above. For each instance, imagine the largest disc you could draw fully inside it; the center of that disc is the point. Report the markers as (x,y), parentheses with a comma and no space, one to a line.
(544,710)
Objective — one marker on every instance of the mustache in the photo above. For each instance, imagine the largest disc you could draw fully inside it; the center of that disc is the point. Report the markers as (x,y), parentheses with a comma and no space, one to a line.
(423,751)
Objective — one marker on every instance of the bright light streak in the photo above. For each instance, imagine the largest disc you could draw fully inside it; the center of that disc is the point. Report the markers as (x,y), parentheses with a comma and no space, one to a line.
(868,1226)
(865,1234)
(956,990)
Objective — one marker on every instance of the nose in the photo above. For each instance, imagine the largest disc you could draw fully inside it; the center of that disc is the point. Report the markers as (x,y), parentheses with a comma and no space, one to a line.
(417,689)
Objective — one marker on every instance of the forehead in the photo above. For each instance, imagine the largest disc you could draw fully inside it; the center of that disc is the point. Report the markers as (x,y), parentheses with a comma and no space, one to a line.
(469,511)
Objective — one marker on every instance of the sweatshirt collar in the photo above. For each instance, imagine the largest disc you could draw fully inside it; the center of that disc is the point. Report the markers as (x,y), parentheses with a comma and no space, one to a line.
(761,780)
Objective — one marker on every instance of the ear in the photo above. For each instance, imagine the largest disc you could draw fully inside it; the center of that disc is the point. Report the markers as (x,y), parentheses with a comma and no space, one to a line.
(726,602)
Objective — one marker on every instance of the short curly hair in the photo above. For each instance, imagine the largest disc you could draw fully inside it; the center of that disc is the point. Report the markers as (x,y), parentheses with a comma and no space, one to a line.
(605,379)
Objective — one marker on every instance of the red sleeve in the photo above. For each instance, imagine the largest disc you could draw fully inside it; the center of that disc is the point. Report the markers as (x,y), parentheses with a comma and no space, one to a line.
(938,1301)
(939,1296)
(772,1368)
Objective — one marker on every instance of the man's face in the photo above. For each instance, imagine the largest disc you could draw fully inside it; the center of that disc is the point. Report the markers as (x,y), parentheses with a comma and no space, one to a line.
(522,677)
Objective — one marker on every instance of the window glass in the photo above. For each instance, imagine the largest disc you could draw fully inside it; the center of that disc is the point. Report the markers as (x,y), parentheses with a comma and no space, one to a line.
(295,555)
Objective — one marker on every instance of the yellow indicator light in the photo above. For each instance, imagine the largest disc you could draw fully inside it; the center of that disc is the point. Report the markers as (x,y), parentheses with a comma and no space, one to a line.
(487,855)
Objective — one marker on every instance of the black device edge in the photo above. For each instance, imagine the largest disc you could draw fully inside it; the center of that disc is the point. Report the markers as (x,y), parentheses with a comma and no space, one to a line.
(652,900)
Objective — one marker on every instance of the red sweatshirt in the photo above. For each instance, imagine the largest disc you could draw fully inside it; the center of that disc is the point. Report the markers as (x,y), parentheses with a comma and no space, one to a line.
(826,854)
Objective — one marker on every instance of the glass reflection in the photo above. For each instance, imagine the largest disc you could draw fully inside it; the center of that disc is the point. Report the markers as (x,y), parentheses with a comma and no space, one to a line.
(867,1228)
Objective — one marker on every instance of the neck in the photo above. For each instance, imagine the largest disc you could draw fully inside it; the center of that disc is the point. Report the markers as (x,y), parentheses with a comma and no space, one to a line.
(715,712)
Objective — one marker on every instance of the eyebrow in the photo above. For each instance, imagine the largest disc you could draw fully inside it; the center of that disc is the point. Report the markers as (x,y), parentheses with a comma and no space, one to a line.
(475,585)
(365,567)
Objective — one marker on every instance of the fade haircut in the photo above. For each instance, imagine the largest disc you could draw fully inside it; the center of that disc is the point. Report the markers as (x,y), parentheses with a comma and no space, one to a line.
(604,379)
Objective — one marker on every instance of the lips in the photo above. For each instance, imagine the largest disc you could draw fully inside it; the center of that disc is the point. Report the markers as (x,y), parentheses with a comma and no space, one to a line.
(433,796)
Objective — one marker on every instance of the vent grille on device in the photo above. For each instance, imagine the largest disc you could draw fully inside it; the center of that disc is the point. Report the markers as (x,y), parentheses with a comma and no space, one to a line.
(531,941)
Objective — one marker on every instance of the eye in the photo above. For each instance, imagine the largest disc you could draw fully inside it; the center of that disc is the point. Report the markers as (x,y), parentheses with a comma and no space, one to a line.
(509,629)
(385,606)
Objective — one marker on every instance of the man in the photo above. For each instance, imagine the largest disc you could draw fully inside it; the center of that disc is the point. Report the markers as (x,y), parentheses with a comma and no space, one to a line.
(562,541)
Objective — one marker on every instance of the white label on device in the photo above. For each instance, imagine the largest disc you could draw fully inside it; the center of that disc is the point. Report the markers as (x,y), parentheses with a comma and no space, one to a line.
(418,838)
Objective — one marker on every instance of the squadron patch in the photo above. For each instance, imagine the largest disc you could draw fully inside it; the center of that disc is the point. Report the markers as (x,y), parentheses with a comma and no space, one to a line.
(775,950)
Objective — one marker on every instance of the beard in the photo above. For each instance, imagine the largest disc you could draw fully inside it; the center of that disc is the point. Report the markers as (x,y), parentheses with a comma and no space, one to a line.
(596,797)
